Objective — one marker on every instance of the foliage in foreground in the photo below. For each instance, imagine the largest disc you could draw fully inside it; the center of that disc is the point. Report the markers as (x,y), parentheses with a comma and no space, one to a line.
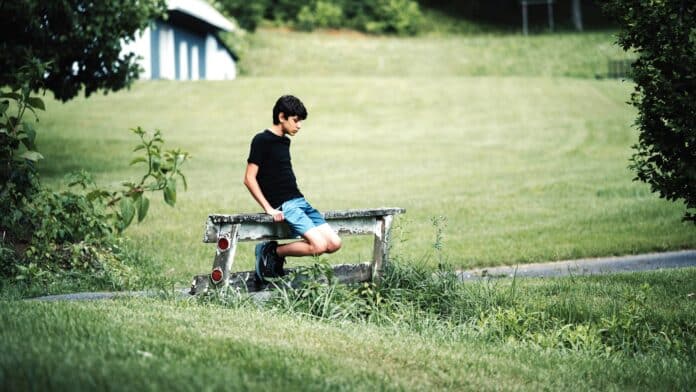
(149,344)
(556,317)
(664,36)
(46,234)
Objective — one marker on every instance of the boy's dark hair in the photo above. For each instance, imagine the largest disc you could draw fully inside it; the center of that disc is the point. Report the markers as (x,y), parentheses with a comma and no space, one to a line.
(290,106)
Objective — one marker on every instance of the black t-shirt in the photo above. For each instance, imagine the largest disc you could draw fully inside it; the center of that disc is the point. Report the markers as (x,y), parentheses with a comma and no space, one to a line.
(276,178)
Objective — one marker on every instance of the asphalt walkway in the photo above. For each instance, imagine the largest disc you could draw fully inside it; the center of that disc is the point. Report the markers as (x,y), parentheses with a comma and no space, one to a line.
(594,266)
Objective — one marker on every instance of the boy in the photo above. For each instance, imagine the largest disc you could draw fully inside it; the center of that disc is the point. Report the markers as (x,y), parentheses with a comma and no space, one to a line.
(271,181)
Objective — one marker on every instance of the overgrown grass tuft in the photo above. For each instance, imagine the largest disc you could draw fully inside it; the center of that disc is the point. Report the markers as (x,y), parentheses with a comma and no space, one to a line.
(114,265)
(626,317)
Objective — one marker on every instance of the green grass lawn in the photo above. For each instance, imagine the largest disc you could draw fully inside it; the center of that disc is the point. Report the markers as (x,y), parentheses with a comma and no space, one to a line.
(526,163)
(511,139)
(525,169)
(153,344)
(347,53)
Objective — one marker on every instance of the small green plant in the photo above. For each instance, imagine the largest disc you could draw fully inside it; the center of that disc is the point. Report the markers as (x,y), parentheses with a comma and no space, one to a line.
(310,291)
(230,297)
(163,170)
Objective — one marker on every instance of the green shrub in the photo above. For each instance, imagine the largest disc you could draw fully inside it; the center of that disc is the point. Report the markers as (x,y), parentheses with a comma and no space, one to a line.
(664,36)
(47,236)
(401,17)
(247,13)
(321,14)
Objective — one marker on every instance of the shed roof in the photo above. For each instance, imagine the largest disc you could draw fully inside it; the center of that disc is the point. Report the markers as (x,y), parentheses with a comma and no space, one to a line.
(200,9)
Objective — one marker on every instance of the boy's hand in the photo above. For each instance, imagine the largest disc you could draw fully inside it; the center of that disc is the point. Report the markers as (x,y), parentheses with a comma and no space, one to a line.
(277,215)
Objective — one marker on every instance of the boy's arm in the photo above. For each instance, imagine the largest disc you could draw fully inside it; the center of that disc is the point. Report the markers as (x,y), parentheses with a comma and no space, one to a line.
(253,186)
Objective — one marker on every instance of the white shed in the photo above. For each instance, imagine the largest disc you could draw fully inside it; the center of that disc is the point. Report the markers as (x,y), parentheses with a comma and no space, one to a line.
(186,46)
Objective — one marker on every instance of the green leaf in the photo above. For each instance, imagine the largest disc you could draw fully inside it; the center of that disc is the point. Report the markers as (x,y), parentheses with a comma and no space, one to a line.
(156,163)
(29,136)
(170,192)
(14,96)
(36,103)
(143,205)
(31,155)
(97,194)
(137,160)
(139,147)
(127,212)
(4,105)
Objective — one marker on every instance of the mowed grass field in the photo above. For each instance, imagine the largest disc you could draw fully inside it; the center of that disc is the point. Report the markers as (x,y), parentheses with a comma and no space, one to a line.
(523,168)
(526,163)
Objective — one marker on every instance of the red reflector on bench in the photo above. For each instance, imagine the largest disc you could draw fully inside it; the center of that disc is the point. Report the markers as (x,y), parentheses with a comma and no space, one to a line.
(223,243)
(216,275)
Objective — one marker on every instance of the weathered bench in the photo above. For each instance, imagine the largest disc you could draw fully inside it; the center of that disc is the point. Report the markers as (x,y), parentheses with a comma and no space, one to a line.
(227,230)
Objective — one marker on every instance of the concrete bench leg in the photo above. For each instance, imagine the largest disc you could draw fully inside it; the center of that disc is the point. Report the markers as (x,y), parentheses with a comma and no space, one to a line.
(380,256)
(224,258)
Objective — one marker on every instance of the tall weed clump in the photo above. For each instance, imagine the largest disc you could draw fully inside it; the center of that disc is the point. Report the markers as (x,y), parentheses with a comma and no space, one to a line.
(434,301)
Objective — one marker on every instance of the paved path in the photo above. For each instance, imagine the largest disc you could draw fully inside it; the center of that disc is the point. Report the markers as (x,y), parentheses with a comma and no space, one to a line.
(89,296)
(603,265)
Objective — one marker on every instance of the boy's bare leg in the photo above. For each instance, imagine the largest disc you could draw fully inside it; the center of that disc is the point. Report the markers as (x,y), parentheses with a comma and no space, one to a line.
(333,241)
(317,240)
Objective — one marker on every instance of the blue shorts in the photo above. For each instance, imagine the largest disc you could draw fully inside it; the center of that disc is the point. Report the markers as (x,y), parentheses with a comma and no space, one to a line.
(301,216)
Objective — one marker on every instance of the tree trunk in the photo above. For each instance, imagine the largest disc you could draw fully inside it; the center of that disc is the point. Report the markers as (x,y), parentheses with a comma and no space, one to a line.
(577,15)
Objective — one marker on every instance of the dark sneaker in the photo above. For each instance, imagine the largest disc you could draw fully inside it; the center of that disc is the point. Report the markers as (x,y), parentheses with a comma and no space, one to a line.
(260,251)
(268,264)
(274,263)
(278,265)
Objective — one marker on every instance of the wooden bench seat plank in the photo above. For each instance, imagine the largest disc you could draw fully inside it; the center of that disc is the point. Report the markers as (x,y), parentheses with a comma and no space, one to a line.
(256,227)
(328,215)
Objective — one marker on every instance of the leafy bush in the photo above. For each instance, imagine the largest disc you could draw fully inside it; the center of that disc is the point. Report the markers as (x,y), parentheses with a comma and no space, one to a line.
(664,36)
(247,13)
(320,15)
(401,17)
(46,234)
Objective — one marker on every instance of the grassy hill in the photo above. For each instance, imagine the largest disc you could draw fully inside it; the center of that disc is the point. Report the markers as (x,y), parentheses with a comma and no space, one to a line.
(511,140)
(525,163)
